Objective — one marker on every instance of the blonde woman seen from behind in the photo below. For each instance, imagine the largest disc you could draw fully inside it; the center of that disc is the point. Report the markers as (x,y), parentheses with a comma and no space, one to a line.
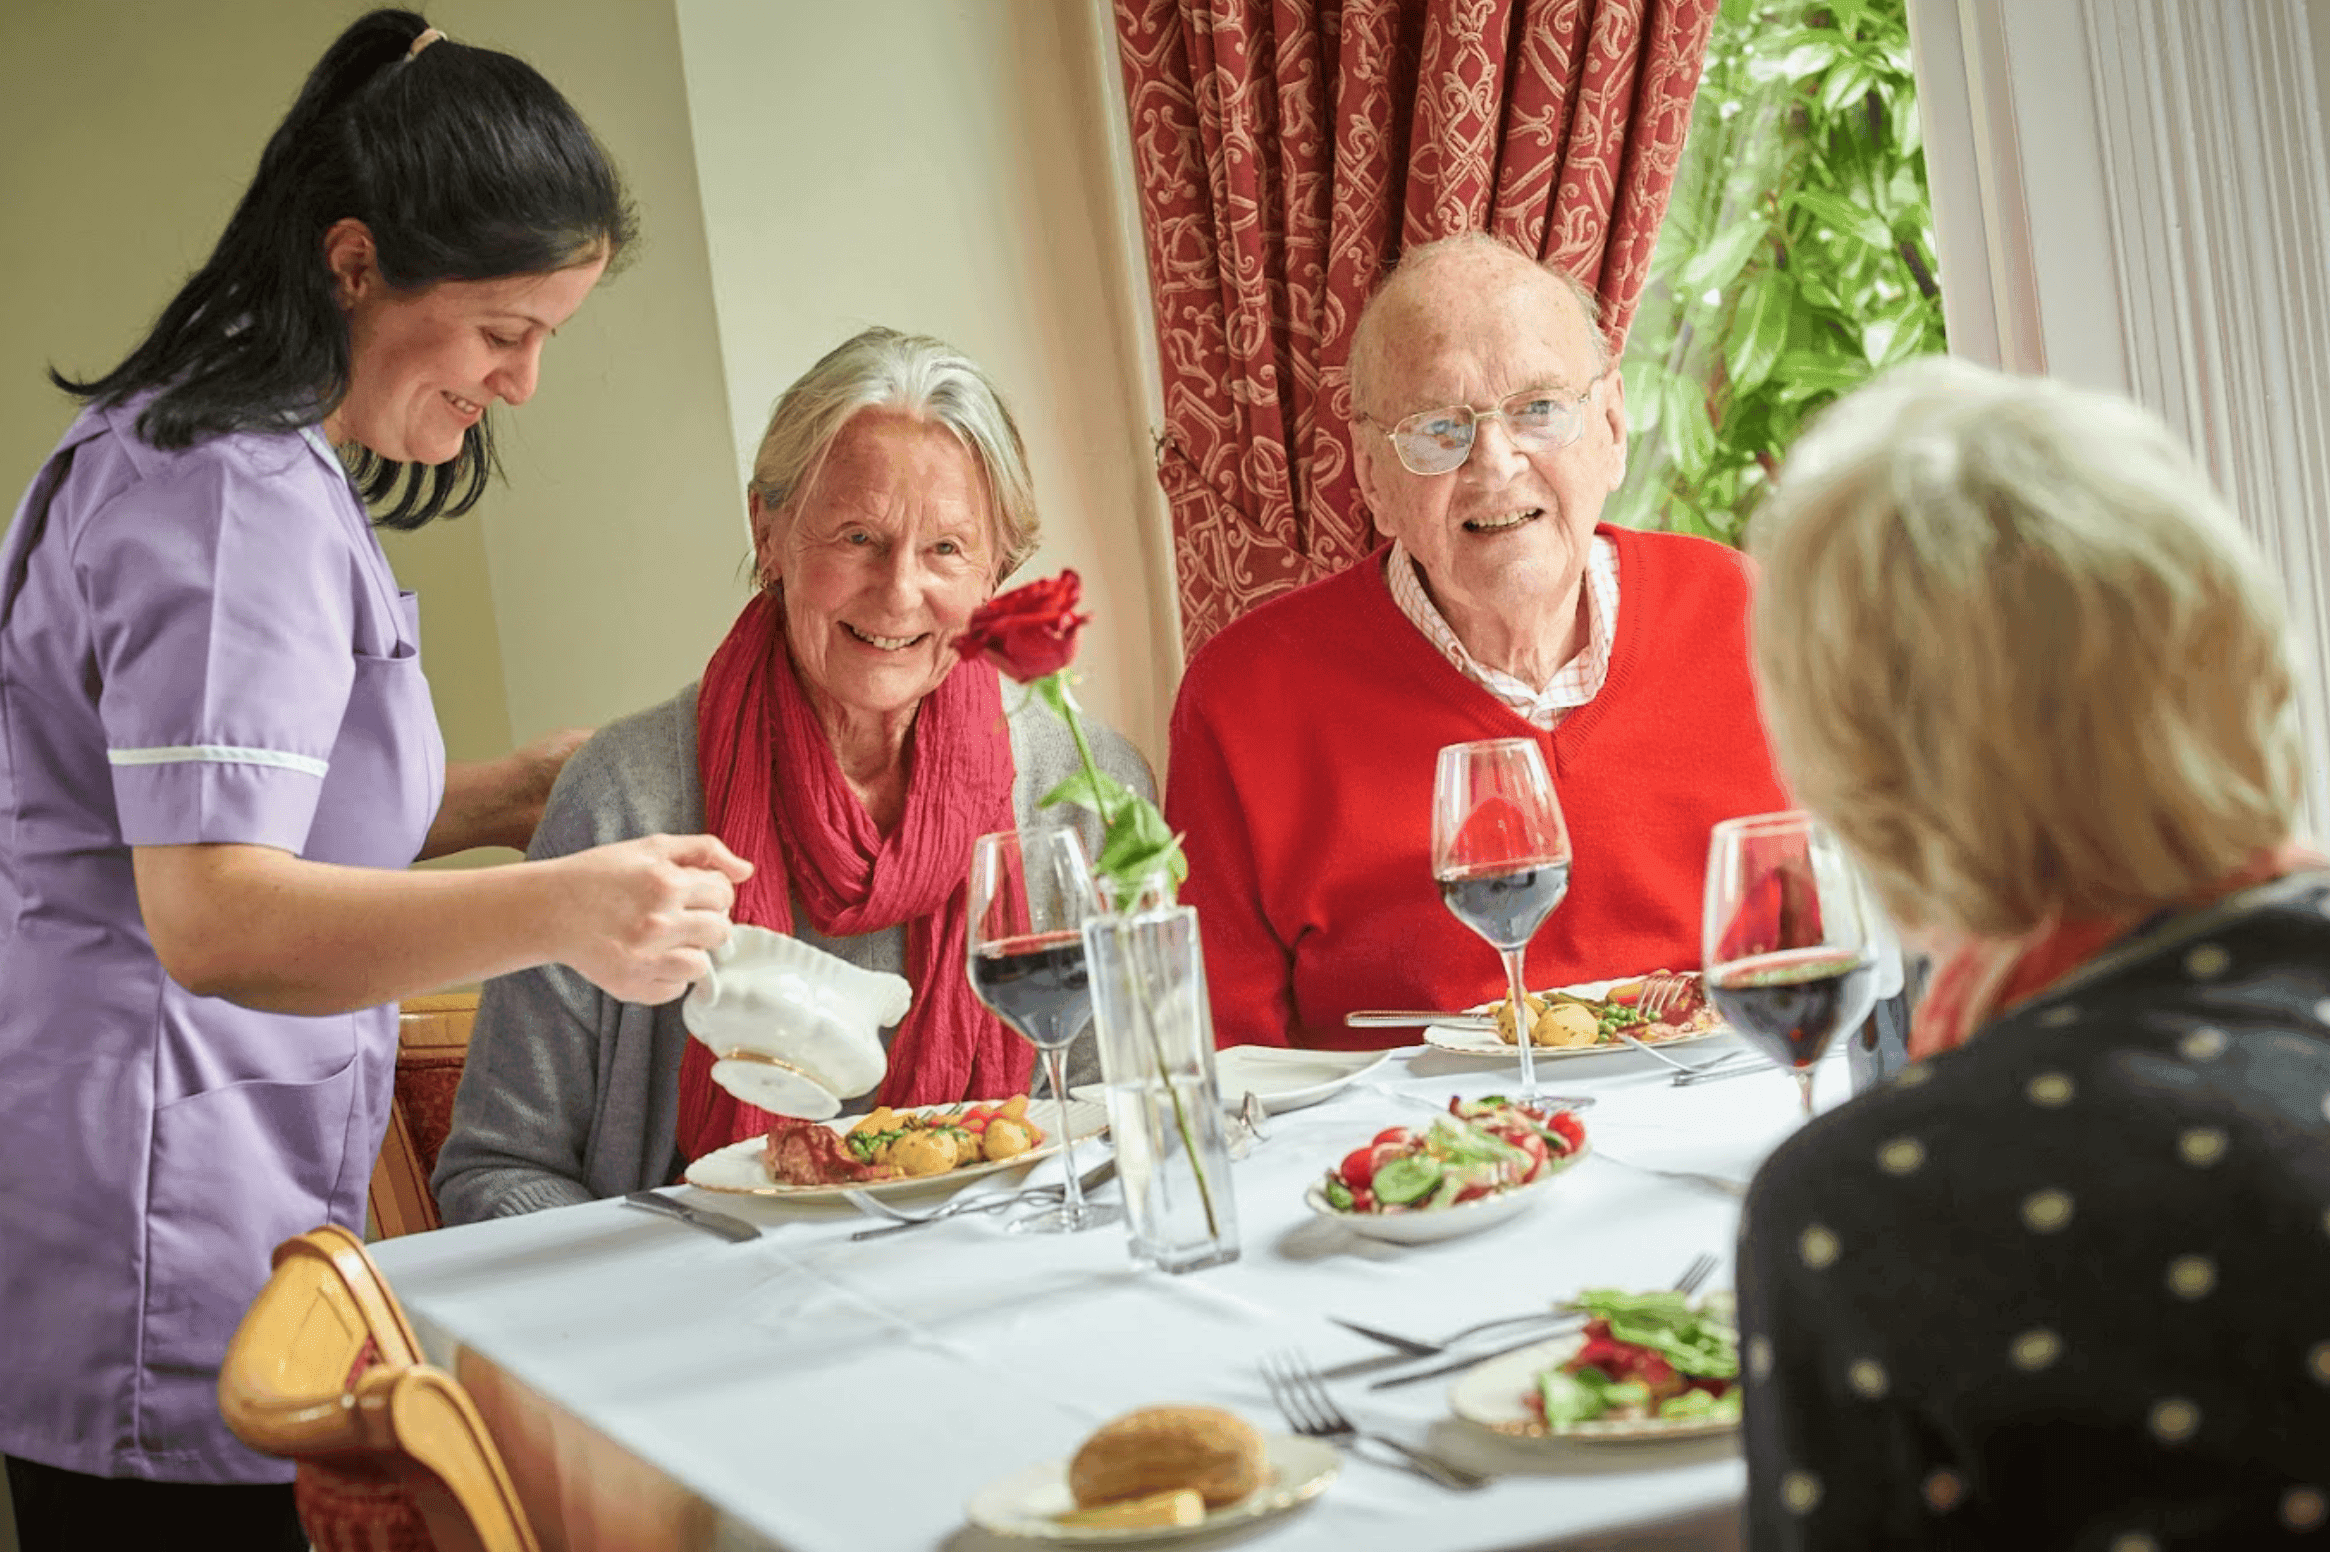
(2021,657)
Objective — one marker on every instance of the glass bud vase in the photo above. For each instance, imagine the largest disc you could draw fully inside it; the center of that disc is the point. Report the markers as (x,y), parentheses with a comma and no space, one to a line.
(1156,1034)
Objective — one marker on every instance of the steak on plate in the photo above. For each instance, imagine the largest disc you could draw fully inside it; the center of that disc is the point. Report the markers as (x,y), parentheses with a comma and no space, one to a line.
(805,1153)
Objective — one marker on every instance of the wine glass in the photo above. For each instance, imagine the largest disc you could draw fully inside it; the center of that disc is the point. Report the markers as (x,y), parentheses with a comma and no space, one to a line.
(1031,893)
(1501,855)
(1789,938)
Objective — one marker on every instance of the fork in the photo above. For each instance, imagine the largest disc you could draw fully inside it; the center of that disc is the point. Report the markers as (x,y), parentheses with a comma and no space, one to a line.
(1701,1268)
(873,1206)
(1302,1399)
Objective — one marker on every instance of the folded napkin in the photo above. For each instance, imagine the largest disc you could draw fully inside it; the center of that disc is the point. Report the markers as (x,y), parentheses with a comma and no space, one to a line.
(795,1029)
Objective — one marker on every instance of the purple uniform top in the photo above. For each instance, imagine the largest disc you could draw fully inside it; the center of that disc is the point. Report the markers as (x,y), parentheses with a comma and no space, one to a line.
(201,645)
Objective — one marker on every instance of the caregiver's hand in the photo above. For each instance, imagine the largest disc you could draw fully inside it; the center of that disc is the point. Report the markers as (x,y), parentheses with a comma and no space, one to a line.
(639,918)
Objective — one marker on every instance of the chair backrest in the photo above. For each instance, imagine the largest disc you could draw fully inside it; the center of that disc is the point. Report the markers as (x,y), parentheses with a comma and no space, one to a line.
(432,1043)
(325,1370)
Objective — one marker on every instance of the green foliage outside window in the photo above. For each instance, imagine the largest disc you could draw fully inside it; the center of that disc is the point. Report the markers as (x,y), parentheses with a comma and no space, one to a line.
(1797,258)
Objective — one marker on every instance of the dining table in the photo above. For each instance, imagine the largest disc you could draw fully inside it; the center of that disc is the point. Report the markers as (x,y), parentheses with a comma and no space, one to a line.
(653,1385)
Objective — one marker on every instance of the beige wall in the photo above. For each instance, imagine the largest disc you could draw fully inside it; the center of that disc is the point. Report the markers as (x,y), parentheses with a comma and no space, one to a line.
(593,580)
(120,157)
(940,165)
(943,166)
(613,552)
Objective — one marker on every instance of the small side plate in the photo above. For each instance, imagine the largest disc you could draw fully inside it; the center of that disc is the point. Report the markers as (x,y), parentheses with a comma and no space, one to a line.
(1025,1504)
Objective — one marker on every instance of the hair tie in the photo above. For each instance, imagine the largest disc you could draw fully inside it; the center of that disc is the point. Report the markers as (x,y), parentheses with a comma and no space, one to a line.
(428,36)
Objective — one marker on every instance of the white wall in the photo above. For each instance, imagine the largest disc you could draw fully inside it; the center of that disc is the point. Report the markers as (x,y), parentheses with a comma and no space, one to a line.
(941,166)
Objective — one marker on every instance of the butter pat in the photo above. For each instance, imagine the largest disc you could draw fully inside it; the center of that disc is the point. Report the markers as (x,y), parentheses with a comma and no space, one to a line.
(1178,1506)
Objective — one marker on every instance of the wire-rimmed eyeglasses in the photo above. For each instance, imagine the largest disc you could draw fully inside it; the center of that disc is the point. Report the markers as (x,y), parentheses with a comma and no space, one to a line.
(1439,441)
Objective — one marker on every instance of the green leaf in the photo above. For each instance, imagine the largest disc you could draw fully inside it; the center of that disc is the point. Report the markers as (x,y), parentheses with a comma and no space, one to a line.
(1845,86)
(1801,374)
(1645,379)
(1137,847)
(1718,264)
(1107,800)
(1759,330)
(1684,428)
(1570,1400)
(1843,216)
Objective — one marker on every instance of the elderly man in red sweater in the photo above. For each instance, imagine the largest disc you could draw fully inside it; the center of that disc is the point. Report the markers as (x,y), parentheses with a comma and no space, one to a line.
(1490,426)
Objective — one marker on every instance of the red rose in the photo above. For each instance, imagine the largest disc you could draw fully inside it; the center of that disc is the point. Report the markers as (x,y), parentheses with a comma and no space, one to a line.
(1030,631)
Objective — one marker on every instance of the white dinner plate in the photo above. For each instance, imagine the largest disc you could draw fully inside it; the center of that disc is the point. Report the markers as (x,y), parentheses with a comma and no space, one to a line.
(1484,1042)
(1495,1395)
(1425,1225)
(1026,1503)
(1287,1077)
(743,1166)
(1282,1077)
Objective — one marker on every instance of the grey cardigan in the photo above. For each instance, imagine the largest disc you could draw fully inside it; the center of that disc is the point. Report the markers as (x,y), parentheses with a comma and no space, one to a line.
(569,1095)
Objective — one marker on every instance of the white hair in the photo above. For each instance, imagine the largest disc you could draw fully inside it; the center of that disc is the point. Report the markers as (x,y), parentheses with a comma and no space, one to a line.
(927,378)
(2017,651)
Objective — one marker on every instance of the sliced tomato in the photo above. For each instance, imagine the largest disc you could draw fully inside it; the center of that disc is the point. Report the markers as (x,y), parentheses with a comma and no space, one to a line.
(1358,1168)
(1570,1128)
(1390,1134)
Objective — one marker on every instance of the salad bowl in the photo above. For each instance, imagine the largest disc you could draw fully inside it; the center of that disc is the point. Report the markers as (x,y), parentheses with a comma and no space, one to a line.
(1478,1164)
(1425,1225)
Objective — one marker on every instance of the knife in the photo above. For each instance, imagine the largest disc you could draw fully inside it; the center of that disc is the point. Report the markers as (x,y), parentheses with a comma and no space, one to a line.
(1465,1362)
(720,1223)
(1396,1018)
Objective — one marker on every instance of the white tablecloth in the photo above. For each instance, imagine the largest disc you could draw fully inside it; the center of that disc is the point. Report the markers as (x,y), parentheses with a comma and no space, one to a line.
(825,1396)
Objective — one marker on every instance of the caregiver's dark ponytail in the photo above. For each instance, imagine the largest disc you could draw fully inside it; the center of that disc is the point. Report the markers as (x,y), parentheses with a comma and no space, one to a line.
(464,163)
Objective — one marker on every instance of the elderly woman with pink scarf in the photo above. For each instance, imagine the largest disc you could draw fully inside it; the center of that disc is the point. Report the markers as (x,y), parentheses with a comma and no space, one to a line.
(838,742)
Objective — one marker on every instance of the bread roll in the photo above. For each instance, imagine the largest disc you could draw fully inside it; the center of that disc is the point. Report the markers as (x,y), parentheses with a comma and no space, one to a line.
(1157,1449)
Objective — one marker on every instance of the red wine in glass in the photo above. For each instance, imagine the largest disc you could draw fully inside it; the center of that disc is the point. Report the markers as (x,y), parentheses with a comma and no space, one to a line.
(1790,1005)
(1506,904)
(1790,952)
(1501,856)
(1037,984)
(1031,892)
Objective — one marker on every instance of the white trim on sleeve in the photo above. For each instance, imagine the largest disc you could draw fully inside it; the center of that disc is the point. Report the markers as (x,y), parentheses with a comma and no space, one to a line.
(218,754)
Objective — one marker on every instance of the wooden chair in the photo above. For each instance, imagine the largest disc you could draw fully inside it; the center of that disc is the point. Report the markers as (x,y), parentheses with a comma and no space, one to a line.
(432,1042)
(392,1454)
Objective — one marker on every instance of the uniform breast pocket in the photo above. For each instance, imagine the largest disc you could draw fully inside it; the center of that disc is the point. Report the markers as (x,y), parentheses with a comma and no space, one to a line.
(388,764)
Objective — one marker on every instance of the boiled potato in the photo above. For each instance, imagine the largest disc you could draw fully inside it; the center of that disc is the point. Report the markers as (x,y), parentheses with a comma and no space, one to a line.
(923,1153)
(1552,1022)
(1007,1138)
(1565,1024)
(1505,1016)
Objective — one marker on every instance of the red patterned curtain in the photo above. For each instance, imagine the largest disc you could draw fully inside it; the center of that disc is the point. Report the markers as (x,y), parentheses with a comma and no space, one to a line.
(1288,149)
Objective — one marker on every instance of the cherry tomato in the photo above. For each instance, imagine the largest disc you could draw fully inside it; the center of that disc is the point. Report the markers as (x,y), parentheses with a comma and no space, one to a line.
(1478,1189)
(1358,1168)
(1390,1134)
(1363,1201)
(1571,1129)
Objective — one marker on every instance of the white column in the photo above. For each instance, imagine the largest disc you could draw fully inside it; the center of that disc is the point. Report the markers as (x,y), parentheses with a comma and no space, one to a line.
(2135,194)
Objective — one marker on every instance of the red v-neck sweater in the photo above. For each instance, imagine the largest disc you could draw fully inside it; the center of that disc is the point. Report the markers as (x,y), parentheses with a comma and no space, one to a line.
(1304,740)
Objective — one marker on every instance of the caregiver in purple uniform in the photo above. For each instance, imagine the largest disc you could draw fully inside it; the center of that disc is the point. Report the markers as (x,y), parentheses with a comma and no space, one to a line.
(218,755)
